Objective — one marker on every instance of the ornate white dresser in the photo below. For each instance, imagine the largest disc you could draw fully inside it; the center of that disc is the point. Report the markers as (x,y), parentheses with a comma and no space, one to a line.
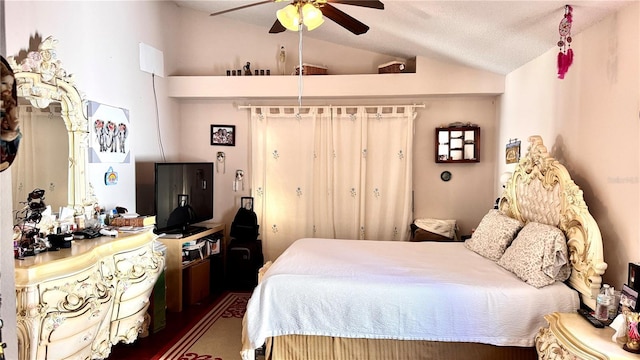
(78,302)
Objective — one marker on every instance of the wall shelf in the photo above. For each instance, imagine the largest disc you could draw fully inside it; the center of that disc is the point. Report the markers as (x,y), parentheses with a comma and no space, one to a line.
(427,80)
(457,144)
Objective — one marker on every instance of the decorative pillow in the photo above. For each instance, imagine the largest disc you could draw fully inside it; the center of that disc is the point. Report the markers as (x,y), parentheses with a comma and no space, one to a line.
(493,235)
(538,255)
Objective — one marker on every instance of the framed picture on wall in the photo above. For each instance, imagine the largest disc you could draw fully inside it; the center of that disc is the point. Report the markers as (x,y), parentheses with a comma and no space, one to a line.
(224,135)
(513,151)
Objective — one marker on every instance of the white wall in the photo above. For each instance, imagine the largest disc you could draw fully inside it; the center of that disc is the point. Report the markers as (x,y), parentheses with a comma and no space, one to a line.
(98,43)
(589,122)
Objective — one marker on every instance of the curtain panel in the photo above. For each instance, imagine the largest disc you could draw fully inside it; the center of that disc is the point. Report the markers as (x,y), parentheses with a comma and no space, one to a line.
(331,172)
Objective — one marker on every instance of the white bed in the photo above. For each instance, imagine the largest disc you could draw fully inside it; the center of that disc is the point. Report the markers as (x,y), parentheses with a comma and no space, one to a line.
(391,294)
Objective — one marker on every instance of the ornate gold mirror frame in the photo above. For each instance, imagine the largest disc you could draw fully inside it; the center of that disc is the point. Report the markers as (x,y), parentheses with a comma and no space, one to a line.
(41,79)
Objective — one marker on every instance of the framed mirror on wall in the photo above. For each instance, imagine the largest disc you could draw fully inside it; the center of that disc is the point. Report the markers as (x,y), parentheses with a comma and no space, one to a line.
(51,109)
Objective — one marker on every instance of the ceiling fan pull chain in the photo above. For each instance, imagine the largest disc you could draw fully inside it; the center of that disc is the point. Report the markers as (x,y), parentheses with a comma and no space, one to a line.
(300,69)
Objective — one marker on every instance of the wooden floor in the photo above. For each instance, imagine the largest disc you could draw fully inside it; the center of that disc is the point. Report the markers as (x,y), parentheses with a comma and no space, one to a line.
(177,323)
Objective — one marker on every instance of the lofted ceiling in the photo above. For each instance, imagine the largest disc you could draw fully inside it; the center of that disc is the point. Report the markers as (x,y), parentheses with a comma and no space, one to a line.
(498,36)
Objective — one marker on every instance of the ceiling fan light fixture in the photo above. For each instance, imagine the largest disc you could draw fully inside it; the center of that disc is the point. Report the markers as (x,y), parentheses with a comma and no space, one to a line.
(289,17)
(311,16)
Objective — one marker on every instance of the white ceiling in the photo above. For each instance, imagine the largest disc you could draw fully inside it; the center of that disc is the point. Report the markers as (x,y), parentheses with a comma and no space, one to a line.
(497,36)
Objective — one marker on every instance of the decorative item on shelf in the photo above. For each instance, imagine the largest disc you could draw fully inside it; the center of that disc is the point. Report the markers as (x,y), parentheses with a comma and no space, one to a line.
(247,69)
(512,153)
(565,55)
(391,67)
(310,69)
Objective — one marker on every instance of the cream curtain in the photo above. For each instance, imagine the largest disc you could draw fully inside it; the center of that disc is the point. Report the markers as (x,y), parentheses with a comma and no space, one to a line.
(331,172)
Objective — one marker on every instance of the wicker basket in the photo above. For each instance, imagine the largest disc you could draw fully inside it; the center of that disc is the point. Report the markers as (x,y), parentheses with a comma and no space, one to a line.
(309,69)
(391,67)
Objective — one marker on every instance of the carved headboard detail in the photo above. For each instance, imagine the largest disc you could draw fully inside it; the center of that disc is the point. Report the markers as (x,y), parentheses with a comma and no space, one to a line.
(541,190)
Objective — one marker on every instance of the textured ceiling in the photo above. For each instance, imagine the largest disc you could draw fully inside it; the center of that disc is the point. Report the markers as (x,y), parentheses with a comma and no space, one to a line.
(497,36)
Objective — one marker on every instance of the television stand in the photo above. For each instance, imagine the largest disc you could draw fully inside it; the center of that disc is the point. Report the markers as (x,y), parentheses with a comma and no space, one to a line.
(193,230)
(175,266)
(182,233)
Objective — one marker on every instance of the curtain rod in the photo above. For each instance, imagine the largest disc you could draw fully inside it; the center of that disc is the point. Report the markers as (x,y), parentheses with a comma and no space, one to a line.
(242,107)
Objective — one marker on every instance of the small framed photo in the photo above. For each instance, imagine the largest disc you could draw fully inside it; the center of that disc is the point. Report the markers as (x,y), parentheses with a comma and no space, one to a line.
(628,299)
(513,152)
(224,135)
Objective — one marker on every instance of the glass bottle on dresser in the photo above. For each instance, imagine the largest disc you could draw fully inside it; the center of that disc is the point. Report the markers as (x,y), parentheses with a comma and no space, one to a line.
(602,303)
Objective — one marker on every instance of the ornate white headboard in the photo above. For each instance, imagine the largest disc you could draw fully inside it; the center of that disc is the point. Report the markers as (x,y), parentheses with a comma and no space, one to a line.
(542,190)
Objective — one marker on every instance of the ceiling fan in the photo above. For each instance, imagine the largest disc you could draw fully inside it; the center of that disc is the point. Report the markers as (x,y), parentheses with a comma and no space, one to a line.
(293,13)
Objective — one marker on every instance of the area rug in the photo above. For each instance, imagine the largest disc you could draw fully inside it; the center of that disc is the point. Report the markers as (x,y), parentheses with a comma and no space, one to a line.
(217,336)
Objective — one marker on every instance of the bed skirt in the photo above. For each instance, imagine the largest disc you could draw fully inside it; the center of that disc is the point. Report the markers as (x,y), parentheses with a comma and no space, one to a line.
(298,347)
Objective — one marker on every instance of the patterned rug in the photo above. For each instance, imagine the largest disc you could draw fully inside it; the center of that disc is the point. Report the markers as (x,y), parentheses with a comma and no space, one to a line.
(217,336)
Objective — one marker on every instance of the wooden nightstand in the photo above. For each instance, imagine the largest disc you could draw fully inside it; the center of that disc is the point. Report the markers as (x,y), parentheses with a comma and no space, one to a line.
(569,336)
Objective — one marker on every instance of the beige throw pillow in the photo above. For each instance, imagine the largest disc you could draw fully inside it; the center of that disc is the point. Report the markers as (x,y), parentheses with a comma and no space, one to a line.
(493,235)
(538,255)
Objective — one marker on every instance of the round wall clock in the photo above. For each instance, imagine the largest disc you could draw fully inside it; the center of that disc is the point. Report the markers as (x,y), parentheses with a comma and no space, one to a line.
(445,176)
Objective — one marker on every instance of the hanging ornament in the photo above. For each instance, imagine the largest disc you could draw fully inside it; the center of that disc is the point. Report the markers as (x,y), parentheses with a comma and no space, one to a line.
(220,157)
(565,55)
(238,183)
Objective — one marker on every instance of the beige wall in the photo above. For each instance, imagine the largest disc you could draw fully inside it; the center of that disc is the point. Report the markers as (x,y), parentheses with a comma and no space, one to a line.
(589,121)
(461,198)
(237,43)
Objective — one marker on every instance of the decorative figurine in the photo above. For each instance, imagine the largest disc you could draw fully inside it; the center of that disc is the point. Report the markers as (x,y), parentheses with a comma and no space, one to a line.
(247,69)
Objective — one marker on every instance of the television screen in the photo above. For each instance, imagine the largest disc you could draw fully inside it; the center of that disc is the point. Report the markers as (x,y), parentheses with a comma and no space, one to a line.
(183,195)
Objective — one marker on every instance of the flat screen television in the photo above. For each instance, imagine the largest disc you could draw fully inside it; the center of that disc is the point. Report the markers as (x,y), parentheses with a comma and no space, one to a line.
(183,196)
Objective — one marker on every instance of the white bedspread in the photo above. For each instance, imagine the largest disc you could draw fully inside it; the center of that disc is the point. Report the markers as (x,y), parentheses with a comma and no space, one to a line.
(397,290)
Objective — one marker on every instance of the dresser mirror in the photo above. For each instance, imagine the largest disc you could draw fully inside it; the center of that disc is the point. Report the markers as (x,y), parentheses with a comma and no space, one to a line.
(54,125)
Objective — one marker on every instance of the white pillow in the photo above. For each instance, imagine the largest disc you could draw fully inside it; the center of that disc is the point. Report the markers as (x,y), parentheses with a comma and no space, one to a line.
(493,235)
(538,255)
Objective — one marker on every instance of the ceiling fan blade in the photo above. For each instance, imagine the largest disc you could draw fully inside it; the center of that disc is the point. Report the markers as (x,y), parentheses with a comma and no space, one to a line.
(344,20)
(241,7)
(277,27)
(373,4)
